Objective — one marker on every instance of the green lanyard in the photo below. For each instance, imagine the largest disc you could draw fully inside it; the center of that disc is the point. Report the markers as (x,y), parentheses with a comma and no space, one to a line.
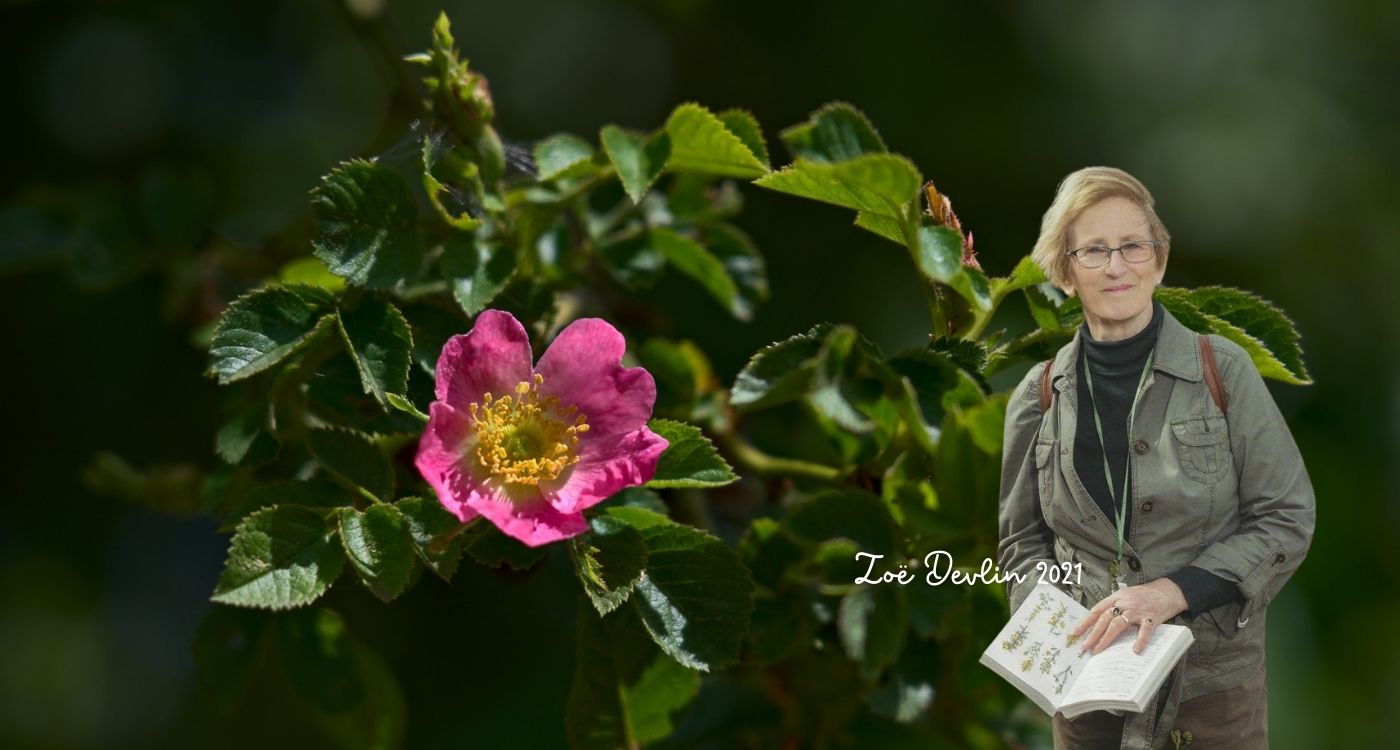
(1121,501)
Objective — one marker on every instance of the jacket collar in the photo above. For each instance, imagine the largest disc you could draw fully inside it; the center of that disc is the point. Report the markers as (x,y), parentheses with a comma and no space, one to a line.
(1176,353)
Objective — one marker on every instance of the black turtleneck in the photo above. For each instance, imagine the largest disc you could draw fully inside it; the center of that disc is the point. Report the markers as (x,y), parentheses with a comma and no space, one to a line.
(1117,368)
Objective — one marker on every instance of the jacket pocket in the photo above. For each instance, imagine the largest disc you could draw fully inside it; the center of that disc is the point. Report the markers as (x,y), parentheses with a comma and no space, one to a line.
(1045,470)
(1203,447)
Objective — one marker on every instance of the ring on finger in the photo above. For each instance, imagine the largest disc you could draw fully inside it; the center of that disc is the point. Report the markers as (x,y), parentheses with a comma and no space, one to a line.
(1117,611)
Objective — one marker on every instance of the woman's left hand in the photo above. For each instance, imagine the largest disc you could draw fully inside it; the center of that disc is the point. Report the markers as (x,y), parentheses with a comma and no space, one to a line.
(1146,606)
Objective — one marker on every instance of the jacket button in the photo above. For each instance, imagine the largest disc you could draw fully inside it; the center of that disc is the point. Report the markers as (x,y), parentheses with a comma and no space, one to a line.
(1147,507)
(1140,447)
(1134,564)
(1278,558)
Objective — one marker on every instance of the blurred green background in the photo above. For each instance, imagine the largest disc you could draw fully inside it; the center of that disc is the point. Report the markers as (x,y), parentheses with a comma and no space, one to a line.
(154,151)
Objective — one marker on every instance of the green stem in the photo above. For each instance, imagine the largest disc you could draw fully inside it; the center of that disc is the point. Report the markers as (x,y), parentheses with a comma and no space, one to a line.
(979,323)
(759,462)
(1000,359)
(933,295)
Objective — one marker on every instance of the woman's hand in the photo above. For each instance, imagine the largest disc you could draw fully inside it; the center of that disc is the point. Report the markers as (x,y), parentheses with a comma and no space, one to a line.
(1146,606)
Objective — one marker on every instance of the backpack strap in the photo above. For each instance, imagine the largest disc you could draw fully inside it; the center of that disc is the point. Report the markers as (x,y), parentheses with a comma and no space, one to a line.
(1046,393)
(1217,389)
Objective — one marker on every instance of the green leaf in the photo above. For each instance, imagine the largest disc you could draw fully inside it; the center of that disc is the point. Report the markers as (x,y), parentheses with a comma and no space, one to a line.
(742,263)
(769,551)
(314,649)
(879,184)
(264,327)
(1045,309)
(635,497)
(938,379)
(632,260)
(1261,321)
(743,124)
(449,177)
(354,697)
(908,493)
(280,557)
(402,404)
(491,547)
(681,371)
(637,158)
(310,271)
(884,226)
(965,474)
(1267,320)
(336,396)
(971,356)
(244,438)
(1026,274)
(378,338)
(700,142)
(437,535)
(690,460)
(909,692)
(696,595)
(835,374)
(624,688)
(779,372)
(702,200)
(984,422)
(836,132)
(843,514)
(432,326)
(608,561)
(478,270)
(872,622)
(692,259)
(377,544)
(353,458)
(366,225)
(940,259)
(563,156)
(228,649)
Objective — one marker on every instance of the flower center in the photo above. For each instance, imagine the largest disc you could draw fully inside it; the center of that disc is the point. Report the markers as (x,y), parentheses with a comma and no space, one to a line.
(526,439)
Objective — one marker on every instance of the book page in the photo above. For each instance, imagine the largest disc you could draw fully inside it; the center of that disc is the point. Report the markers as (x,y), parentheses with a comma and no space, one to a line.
(1034,651)
(1116,673)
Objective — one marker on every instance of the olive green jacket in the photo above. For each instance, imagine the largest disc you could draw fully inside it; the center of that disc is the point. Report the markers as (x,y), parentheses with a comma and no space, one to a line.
(1224,492)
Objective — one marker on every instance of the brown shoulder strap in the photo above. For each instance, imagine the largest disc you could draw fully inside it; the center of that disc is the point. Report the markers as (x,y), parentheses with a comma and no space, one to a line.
(1046,394)
(1217,389)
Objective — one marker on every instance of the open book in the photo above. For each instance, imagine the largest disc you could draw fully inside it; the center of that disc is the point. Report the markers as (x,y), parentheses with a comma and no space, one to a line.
(1035,653)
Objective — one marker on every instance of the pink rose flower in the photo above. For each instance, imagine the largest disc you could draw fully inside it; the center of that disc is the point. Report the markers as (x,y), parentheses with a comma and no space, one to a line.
(531,448)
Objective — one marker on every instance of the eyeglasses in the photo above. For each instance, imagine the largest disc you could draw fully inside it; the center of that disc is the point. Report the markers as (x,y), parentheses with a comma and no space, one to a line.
(1097,256)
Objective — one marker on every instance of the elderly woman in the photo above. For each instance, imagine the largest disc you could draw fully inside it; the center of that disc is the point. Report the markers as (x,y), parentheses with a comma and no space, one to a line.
(1158,460)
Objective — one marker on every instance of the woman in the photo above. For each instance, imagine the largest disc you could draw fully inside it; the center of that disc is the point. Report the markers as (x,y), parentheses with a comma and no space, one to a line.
(1179,511)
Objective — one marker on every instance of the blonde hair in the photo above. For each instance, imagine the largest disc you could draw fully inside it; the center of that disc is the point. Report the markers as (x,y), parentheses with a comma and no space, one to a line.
(1077,192)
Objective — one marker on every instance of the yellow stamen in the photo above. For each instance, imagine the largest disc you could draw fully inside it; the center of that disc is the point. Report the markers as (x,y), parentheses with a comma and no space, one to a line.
(526,440)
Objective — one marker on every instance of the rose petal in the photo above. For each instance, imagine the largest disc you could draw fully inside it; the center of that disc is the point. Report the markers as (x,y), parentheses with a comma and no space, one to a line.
(528,517)
(446,440)
(583,367)
(494,356)
(607,465)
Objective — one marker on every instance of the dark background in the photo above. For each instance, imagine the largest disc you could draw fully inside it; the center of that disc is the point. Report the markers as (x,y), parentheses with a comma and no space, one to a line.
(1266,131)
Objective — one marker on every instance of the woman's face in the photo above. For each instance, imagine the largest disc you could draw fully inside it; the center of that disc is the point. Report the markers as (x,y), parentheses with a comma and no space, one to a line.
(1119,291)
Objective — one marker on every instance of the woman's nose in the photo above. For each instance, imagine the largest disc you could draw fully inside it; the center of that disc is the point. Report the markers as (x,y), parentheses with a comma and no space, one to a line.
(1116,265)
